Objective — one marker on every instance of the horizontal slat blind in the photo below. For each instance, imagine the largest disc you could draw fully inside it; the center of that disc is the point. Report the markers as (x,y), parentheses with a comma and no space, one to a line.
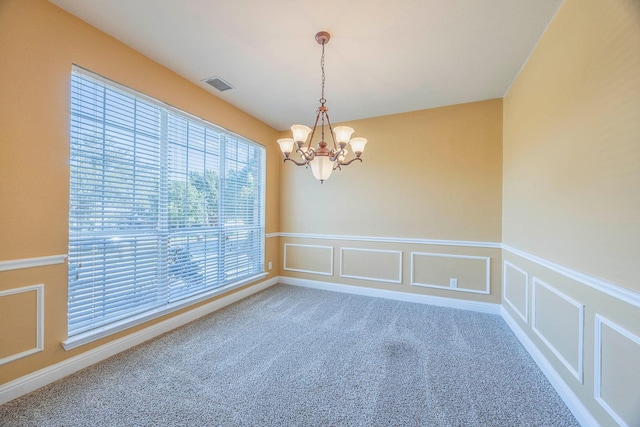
(241,201)
(162,205)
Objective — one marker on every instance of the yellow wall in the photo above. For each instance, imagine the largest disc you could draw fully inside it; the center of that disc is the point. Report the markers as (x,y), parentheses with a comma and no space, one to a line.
(430,174)
(571,196)
(572,143)
(38,44)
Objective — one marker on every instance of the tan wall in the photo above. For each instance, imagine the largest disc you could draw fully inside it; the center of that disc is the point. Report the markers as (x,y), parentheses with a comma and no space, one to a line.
(38,44)
(572,143)
(571,196)
(430,174)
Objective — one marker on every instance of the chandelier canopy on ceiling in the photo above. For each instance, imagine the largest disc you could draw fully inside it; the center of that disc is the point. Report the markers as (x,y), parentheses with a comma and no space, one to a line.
(322,160)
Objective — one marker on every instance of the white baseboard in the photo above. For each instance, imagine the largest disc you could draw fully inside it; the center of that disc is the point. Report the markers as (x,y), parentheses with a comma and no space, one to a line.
(482,307)
(582,414)
(38,379)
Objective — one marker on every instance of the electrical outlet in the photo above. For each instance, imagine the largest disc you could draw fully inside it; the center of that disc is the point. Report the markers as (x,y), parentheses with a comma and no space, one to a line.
(453,283)
(270,265)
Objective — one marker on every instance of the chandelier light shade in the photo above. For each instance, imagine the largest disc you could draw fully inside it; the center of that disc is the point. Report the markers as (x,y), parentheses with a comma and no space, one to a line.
(322,160)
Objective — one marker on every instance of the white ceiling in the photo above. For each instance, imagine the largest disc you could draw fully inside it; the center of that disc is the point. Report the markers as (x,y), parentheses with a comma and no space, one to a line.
(384,56)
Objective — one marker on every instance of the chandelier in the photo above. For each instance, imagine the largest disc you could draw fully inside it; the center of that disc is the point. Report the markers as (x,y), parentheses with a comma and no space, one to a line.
(322,160)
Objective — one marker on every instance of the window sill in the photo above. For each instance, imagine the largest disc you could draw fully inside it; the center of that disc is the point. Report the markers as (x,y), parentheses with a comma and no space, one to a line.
(104,331)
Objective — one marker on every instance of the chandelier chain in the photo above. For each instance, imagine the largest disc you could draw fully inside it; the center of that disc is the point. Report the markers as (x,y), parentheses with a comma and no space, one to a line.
(322,99)
(322,110)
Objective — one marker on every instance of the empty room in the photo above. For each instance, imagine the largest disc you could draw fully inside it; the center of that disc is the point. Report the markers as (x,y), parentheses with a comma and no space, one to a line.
(400,213)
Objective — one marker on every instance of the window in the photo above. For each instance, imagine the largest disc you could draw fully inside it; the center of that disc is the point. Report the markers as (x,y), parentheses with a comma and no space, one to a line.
(164,209)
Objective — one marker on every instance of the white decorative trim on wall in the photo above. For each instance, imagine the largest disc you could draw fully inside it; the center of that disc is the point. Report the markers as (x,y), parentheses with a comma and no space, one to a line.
(608,288)
(487,289)
(35,380)
(578,374)
(16,264)
(465,243)
(597,370)
(323,273)
(573,402)
(481,307)
(39,290)
(524,316)
(375,279)
(271,235)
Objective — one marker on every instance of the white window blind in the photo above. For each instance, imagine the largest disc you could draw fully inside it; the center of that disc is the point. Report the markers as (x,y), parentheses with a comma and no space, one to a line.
(163,206)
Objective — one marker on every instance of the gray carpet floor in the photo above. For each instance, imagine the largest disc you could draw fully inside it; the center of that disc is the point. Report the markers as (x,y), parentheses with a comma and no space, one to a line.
(304,357)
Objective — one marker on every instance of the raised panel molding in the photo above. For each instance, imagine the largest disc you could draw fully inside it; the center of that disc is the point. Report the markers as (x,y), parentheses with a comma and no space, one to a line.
(39,290)
(300,270)
(508,265)
(577,373)
(597,371)
(486,290)
(375,279)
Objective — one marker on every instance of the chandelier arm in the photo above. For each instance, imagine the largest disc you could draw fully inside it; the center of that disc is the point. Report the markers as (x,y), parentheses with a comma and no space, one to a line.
(313,132)
(309,155)
(336,154)
(333,138)
(296,162)
(349,162)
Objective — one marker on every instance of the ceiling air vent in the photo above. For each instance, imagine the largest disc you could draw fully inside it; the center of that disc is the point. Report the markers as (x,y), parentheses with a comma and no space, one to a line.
(218,83)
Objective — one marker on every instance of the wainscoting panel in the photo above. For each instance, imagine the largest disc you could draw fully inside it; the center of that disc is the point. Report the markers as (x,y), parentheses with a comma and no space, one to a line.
(463,273)
(312,259)
(440,268)
(616,371)
(584,333)
(516,289)
(371,264)
(21,334)
(558,320)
